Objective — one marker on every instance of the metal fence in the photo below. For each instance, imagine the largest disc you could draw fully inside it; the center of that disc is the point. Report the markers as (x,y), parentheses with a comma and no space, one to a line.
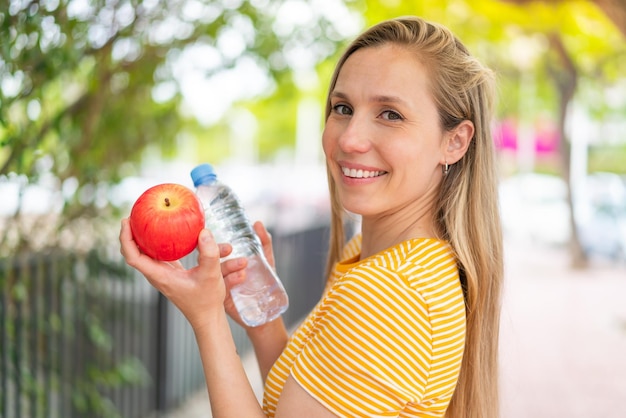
(86,336)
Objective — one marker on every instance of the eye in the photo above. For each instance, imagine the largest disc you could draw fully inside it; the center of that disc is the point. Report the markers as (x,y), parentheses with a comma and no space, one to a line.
(391,115)
(342,109)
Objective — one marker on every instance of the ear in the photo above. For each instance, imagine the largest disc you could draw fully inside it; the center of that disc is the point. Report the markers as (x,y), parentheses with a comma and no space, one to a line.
(456,142)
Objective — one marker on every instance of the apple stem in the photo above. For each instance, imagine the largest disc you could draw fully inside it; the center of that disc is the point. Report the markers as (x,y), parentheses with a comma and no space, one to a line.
(167,201)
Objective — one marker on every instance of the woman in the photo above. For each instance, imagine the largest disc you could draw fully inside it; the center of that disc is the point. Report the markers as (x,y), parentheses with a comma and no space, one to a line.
(408,324)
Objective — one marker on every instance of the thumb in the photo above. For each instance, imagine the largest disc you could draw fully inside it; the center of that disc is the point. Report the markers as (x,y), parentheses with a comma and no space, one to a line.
(208,252)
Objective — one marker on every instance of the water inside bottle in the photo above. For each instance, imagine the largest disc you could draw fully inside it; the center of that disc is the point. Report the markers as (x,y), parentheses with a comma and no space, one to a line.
(261,297)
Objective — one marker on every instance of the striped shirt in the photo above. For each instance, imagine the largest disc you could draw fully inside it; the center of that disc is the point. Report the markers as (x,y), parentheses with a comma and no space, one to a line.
(387,338)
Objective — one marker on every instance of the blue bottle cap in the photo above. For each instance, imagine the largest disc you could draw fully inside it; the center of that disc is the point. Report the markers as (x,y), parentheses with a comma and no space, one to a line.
(203,174)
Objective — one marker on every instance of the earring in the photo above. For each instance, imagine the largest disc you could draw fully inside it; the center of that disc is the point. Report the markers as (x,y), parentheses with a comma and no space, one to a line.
(446,169)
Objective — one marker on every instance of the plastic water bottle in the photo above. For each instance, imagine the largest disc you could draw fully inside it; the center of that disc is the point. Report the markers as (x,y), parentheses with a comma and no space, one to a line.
(261,297)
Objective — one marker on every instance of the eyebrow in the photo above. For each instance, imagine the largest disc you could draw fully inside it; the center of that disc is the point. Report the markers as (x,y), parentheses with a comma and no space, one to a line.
(377,98)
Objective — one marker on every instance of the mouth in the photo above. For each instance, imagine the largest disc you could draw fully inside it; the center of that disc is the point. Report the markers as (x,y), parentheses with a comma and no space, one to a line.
(361,174)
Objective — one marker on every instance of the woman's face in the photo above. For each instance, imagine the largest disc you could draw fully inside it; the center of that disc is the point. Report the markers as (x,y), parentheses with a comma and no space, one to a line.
(382,140)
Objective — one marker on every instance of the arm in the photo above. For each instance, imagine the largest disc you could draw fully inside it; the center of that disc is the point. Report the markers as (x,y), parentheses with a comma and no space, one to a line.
(229,390)
(269,341)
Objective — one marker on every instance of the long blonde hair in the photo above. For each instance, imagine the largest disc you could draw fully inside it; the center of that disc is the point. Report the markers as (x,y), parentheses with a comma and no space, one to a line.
(467,209)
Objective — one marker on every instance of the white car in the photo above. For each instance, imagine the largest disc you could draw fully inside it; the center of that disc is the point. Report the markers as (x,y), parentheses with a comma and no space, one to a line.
(534,208)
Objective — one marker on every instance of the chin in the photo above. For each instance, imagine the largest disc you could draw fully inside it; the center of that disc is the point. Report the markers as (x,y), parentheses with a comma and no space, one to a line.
(358,208)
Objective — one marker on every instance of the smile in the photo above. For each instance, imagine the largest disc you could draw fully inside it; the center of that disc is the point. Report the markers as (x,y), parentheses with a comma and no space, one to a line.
(360,174)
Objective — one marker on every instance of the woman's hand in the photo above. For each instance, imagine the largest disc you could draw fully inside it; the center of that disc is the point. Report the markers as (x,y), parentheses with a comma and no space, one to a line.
(199,292)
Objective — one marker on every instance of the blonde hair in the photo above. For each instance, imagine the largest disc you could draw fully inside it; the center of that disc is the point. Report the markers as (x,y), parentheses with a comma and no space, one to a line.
(467,214)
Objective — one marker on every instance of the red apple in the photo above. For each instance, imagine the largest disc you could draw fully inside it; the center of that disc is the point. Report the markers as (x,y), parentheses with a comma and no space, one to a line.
(166,220)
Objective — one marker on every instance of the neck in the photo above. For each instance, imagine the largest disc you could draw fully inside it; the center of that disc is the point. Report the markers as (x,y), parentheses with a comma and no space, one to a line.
(382,232)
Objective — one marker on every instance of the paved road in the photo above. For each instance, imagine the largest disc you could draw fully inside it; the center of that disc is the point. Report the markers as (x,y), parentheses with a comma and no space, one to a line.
(563,340)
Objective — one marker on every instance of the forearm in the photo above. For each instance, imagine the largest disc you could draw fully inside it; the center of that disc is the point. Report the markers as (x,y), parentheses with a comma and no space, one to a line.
(269,341)
(229,390)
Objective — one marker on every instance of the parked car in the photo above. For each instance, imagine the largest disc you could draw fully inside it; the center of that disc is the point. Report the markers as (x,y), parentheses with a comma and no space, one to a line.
(534,207)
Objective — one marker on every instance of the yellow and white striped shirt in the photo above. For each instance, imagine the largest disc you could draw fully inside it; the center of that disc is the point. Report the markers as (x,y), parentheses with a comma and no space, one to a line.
(387,338)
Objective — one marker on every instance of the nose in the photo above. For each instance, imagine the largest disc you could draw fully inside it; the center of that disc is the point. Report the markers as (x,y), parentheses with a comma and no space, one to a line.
(354,136)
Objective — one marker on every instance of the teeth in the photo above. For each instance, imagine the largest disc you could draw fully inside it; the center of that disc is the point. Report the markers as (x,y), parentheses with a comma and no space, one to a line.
(360,174)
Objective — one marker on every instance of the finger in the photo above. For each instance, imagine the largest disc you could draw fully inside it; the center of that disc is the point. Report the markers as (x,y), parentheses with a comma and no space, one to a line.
(225,249)
(153,270)
(130,250)
(235,278)
(234,265)
(208,254)
(262,232)
(266,241)
(128,247)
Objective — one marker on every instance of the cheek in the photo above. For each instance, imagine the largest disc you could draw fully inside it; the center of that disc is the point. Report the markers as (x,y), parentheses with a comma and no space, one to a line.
(327,143)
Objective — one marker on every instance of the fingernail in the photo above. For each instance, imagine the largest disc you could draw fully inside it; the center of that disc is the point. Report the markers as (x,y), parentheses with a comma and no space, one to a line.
(205,235)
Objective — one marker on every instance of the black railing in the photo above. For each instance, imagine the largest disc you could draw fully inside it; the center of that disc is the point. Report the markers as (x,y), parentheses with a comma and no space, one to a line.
(84,336)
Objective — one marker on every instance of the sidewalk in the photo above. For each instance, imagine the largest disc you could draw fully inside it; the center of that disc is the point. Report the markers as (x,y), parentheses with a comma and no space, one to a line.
(563,340)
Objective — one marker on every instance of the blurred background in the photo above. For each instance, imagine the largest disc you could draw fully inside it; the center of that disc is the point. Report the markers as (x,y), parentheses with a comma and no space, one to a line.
(101,99)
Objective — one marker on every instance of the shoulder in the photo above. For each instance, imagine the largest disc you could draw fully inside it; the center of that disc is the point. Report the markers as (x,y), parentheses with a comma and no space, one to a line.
(417,262)
(428,263)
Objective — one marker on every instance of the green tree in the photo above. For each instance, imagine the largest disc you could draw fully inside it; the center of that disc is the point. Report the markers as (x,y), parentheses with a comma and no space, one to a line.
(583,47)
(86,87)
